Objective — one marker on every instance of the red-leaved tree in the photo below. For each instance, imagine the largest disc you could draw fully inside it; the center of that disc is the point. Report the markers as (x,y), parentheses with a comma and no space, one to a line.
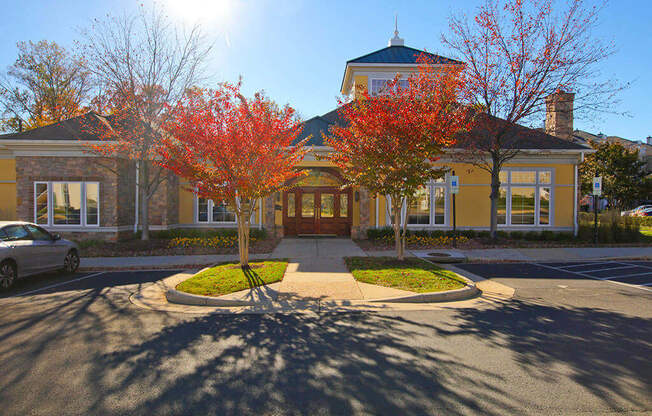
(232,149)
(387,143)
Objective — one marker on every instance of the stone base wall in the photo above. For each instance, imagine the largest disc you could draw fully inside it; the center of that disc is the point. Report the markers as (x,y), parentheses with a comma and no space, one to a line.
(30,169)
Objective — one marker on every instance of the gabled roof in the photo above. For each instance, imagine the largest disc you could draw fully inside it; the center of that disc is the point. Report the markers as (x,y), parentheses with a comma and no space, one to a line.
(76,128)
(517,136)
(399,55)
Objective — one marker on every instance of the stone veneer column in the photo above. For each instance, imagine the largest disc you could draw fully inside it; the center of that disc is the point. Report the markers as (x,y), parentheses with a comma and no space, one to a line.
(270,216)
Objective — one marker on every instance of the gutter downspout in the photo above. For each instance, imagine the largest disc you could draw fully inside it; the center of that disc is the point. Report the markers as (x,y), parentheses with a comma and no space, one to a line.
(137,184)
(377,210)
(575,196)
(260,214)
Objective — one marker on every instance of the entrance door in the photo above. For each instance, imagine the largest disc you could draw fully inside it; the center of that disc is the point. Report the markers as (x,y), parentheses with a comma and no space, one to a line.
(313,210)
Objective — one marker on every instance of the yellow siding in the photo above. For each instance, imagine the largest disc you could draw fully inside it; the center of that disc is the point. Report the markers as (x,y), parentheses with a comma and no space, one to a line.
(186,202)
(563,206)
(7,189)
(360,84)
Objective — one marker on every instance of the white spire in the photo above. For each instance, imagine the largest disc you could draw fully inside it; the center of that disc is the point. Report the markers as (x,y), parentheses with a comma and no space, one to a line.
(396,41)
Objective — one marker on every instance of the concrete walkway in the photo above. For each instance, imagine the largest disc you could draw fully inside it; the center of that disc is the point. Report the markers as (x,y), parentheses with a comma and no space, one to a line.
(331,249)
(317,271)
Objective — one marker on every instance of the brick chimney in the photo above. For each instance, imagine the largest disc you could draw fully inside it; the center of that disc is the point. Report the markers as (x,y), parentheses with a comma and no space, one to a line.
(559,114)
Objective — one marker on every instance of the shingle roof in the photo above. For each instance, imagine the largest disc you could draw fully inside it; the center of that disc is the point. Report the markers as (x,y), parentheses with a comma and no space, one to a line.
(76,128)
(399,55)
(517,136)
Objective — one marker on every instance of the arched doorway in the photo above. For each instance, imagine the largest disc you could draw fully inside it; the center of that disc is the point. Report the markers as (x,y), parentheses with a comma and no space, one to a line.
(315,204)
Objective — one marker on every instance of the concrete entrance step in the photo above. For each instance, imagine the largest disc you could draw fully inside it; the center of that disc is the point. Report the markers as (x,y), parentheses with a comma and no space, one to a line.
(317,235)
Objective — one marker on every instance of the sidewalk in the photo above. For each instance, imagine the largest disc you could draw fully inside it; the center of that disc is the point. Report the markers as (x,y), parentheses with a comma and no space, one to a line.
(326,250)
(539,254)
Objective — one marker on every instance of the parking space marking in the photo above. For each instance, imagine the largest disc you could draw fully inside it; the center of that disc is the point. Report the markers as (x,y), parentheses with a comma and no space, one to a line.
(604,279)
(571,266)
(602,270)
(56,285)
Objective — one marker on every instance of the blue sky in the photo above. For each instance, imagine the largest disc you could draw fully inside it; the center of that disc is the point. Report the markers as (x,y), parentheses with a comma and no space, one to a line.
(296,50)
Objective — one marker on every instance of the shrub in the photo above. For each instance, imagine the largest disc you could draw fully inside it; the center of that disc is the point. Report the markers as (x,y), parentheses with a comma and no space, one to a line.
(374,234)
(502,234)
(469,233)
(516,235)
(532,235)
(612,228)
(484,234)
(547,235)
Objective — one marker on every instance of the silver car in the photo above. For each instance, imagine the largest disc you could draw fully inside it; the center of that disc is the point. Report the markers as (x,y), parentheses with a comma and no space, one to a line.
(27,249)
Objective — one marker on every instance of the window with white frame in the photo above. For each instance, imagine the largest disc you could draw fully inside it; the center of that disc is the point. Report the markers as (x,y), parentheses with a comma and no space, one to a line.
(208,212)
(67,203)
(525,197)
(379,86)
(427,208)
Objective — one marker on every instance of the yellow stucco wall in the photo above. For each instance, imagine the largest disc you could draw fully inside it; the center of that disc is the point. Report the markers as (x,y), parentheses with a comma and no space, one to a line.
(7,189)
(186,199)
(360,83)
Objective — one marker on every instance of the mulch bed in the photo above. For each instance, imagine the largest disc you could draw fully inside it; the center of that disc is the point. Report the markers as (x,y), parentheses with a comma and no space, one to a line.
(160,247)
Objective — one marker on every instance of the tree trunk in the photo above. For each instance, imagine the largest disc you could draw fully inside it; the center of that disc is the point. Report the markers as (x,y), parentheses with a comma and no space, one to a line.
(495,194)
(243,238)
(144,200)
(398,243)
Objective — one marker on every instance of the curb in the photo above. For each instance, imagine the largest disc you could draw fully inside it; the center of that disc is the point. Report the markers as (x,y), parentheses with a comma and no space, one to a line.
(447,296)
(175,296)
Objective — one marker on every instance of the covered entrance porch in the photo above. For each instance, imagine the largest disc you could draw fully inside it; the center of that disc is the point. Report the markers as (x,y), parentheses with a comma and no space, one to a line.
(316,205)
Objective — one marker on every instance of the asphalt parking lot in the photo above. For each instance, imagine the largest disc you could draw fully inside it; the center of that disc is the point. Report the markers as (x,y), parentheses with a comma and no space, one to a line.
(48,283)
(630,273)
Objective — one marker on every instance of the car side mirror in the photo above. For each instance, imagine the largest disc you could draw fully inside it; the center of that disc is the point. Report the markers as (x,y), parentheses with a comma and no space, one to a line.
(56,237)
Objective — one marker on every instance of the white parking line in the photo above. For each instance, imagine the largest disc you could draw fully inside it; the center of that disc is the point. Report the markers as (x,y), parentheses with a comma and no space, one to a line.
(594,263)
(600,270)
(629,275)
(56,285)
(605,279)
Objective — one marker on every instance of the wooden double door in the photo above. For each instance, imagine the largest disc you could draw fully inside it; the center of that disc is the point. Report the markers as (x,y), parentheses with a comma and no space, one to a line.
(317,210)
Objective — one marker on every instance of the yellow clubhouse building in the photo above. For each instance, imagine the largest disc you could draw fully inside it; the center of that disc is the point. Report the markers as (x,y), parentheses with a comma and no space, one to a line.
(47,177)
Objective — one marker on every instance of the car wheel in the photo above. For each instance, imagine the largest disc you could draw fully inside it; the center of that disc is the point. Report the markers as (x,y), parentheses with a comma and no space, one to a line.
(8,274)
(71,262)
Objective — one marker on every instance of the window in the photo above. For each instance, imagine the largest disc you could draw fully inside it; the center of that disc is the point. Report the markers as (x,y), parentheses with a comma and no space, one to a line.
(16,232)
(429,206)
(67,203)
(418,211)
(344,205)
(221,213)
(327,209)
(378,86)
(218,212)
(38,233)
(522,206)
(308,205)
(525,197)
(291,205)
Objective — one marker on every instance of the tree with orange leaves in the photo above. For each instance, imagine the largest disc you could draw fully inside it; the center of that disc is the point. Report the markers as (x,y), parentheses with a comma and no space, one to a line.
(388,142)
(232,149)
(518,53)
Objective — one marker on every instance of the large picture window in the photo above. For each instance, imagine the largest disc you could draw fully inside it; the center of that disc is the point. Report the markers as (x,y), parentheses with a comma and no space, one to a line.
(427,208)
(525,197)
(210,212)
(67,203)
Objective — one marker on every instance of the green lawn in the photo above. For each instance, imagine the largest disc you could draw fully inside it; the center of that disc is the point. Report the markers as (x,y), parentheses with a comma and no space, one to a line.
(411,274)
(229,278)
(647,234)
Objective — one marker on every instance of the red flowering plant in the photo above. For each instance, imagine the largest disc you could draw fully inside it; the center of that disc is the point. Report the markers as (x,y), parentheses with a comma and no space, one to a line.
(388,142)
(232,149)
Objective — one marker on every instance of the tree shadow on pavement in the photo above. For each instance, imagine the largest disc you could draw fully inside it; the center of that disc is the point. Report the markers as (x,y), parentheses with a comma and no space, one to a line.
(297,364)
(606,352)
